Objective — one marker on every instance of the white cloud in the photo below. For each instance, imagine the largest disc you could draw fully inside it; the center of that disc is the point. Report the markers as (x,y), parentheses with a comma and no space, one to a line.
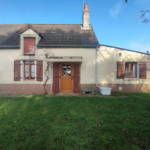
(140,47)
(114,11)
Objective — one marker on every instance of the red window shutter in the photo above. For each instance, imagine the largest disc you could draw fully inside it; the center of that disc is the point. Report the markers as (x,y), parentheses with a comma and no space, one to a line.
(29,45)
(142,69)
(17,69)
(120,70)
(39,71)
(76,78)
(56,77)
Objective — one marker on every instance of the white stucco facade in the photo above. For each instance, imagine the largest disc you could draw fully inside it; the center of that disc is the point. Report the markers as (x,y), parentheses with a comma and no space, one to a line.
(107,65)
(106,71)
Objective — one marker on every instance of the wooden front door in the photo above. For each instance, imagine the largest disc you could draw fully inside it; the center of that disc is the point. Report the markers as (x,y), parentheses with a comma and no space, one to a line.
(66,84)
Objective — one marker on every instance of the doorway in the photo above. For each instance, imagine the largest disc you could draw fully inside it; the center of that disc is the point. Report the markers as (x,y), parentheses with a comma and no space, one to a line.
(66,79)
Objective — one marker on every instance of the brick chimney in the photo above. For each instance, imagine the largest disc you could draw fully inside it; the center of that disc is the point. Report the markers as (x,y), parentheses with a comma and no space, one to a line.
(86,17)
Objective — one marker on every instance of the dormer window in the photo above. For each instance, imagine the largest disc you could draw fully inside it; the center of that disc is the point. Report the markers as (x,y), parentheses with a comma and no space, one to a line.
(29,46)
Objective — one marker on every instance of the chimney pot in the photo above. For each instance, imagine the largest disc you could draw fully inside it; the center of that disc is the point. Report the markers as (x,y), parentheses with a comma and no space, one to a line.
(86,7)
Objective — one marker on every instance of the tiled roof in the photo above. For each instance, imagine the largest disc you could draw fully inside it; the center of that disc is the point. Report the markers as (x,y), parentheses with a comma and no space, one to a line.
(52,34)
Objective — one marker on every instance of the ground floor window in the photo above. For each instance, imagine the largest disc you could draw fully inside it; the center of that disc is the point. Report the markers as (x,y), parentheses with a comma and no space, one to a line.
(130,70)
(29,70)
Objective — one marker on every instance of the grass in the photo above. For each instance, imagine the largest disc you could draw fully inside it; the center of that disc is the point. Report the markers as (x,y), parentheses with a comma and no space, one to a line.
(66,123)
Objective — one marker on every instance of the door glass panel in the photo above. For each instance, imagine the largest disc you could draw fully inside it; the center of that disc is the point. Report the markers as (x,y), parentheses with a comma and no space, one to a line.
(68,73)
(68,67)
(64,67)
(68,70)
(64,73)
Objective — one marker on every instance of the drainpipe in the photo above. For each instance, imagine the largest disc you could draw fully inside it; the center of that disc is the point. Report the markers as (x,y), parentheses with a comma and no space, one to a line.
(96,66)
(107,90)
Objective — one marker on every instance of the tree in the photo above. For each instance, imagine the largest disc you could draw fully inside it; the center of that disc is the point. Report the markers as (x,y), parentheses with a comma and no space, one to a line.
(145,20)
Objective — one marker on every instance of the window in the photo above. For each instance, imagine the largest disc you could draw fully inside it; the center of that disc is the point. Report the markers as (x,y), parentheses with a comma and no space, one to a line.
(66,70)
(130,70)
(120,54)
(29,70)
(29,46)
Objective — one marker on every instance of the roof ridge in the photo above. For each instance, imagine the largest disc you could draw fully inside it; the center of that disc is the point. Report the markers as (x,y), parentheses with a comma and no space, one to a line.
(39,24)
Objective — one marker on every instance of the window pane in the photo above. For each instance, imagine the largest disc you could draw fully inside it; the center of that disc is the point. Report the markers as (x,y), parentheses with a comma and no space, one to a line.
(31,61)
(32,68)
(26,62)
(68,70)
(126,69)
(132,70)
(26,67)
(68,73)
(64,73)
(26,75)
(68,67)
(64,67)
(32,75)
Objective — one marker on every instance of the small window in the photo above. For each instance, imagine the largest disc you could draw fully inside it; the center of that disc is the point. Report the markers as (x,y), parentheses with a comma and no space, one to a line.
(130,70)
(120,54)
(29,70)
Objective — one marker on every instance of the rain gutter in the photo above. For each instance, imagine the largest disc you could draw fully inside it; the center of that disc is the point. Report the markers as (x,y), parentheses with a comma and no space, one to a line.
(82,46)
(9,47)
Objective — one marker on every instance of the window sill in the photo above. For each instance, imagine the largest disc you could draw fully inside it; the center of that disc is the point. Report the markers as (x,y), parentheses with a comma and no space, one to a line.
(131,79)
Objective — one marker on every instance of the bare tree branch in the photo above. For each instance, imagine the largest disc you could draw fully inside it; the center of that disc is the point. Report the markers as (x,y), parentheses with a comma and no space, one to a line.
(47,72)
(145,20)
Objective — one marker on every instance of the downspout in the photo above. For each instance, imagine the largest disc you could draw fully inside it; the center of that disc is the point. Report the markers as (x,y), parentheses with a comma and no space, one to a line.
(96,66)
(101,89)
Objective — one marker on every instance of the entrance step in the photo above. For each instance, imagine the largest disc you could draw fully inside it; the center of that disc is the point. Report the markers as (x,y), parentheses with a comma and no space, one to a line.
(68,94)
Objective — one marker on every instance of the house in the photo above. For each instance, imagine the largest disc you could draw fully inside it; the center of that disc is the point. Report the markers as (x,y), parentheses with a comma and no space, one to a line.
(66,58)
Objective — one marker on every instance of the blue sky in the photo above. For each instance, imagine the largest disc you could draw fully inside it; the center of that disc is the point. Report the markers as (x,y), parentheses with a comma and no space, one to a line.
(115,22)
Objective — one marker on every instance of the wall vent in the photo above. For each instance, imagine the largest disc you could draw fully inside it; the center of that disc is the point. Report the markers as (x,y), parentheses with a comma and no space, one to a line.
(120,54)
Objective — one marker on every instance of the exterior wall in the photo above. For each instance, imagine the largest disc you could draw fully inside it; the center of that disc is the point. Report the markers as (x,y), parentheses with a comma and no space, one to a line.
(24,88)
(87,68)
(107,69)
(7,83)
(8,56)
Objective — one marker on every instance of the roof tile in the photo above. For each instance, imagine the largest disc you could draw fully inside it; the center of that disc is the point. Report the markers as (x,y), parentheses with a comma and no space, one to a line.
(52,34)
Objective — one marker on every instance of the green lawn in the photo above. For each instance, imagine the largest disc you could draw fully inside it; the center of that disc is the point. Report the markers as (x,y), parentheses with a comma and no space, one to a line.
(100,123)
